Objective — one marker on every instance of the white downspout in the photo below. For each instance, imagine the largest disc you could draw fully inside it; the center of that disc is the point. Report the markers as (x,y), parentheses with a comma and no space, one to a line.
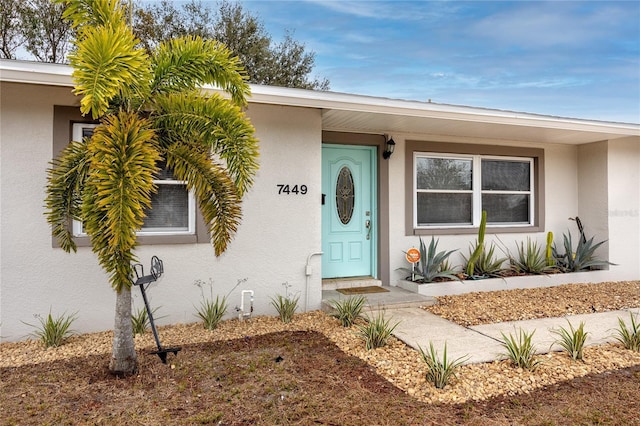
(308,272)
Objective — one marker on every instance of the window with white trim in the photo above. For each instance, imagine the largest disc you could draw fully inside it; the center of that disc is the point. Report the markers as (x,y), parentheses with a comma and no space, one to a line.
(452,190)
(173,208)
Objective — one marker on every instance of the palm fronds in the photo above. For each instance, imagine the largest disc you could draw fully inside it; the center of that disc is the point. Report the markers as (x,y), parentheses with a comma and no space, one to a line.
(118,190)
(187,63)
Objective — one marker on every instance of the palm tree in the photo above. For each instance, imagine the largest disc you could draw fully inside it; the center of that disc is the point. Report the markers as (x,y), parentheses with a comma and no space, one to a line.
(151,111)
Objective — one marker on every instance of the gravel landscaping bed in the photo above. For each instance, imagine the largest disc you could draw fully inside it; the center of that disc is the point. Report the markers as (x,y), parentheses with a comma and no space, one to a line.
(397,362)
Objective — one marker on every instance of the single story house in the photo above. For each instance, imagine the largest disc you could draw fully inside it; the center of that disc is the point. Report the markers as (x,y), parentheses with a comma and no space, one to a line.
(330,203)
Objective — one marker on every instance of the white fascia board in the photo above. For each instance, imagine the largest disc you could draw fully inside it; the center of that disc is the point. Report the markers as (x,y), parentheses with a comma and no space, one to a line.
(35,73)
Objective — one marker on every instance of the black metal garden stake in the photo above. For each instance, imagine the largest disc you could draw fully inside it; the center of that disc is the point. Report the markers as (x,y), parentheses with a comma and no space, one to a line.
(157,269)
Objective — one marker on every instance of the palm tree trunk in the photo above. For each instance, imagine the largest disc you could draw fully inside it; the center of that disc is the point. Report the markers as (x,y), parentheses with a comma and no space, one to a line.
(123,358)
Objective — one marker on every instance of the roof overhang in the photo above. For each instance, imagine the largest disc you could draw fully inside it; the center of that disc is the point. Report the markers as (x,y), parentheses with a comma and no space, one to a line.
(366,114)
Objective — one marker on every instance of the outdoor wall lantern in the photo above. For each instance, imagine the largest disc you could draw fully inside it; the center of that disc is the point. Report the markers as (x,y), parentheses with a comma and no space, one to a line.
(388,150)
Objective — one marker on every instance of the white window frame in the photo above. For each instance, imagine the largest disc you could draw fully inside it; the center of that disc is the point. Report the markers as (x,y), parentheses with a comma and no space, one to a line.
(78,230)
(476,191)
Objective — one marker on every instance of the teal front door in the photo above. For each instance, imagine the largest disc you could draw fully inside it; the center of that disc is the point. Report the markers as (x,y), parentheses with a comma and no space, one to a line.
(348,211)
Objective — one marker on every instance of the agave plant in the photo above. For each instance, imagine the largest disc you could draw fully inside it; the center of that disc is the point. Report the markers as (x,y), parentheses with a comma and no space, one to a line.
(486,263)
(582,259)
(429,266)
(530,259)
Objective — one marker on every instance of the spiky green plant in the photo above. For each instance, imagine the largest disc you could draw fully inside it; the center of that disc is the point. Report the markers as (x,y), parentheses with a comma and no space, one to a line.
(377,331)
(211,312)
(150,108)
(479,246)
(53,331)
(572,340)
(431,260)
(629,337)
(140,320)
(582,259)
(285,306)
(487,264)
(549,250)
(530,259)
(520,349)
(348,310)
(440,371)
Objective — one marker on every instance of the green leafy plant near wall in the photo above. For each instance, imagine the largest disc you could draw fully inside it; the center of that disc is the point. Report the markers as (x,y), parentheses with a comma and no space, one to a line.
(582,259)
(530,259)
(430,265)
(549,250)
(478,248)
(53,331)
(140,320)
(211,311)
(487,264)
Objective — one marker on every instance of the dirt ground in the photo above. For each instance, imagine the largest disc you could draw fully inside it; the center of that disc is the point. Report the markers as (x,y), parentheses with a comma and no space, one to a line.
(309,372)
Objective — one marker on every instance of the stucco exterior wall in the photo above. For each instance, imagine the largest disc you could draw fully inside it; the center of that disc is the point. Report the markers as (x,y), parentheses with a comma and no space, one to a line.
(593,184)
(624,207)
(276,236)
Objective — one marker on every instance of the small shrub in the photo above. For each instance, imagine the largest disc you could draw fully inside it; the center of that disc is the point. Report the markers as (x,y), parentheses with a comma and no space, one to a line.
(140,320)
(348,310)
(487,264)
(210,311)
(582,259)
(521,351)
(629,337)
(440,371)
(286,307)
(377,331)
(430,265)
(53,331)
(572,340)
(530,259)
(470,269)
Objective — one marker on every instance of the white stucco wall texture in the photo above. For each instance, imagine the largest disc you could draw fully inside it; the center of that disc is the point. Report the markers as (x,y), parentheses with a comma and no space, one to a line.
(272,245)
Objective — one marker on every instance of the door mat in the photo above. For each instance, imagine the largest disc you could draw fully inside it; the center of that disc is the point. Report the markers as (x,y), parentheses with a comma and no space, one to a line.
(363,290)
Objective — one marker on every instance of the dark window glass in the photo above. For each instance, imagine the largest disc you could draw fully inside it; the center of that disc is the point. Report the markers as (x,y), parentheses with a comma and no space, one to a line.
(506,208)
(444,209)
(500,175)
(443,174)
(169,209)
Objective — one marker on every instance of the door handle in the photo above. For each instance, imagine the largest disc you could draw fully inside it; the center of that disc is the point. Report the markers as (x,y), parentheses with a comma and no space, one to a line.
(367,224)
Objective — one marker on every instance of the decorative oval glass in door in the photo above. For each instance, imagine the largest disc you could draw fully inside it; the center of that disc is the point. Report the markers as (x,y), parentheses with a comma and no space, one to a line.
(345,195)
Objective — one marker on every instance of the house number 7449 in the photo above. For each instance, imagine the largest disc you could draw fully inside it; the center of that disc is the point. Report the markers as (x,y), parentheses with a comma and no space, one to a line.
(295,189)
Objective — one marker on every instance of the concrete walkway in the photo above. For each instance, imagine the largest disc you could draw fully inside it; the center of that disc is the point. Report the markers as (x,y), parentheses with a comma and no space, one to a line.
(481,343)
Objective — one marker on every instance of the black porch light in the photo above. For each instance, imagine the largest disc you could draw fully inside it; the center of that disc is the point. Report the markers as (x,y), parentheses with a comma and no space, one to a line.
(388,149)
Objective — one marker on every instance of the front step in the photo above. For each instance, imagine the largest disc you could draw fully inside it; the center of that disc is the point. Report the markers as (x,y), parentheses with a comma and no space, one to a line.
(336,283)
(393,298)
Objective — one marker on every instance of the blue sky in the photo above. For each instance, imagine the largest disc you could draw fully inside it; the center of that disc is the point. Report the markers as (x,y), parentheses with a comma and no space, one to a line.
(576,59)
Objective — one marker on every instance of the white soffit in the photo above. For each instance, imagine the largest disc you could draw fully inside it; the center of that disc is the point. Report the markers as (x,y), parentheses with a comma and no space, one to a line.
(367,114)
(356,113)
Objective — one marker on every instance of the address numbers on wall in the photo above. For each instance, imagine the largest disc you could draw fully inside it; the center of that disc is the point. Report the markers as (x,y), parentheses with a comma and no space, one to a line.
(291,189)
